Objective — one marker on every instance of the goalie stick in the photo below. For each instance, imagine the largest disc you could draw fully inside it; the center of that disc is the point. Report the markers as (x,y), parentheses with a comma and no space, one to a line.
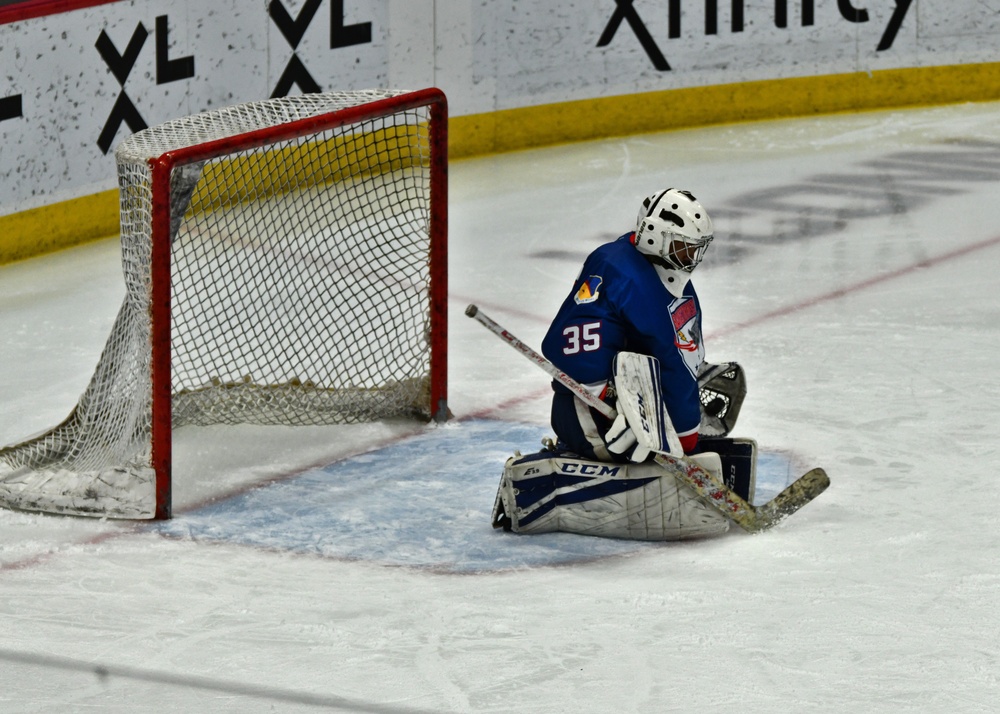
(752,519)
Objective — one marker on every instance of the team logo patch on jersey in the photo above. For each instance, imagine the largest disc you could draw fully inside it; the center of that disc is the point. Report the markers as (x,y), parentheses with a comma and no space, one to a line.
(683,314)
(687,332)
(589,291)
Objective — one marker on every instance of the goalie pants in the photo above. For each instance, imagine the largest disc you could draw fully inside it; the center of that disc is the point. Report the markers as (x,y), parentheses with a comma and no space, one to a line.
(579,428)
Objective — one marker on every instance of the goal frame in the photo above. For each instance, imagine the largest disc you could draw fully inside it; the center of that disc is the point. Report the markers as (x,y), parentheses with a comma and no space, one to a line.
(161,169)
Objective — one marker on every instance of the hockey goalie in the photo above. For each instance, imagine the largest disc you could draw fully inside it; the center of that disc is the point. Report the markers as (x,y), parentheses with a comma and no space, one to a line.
(630,334)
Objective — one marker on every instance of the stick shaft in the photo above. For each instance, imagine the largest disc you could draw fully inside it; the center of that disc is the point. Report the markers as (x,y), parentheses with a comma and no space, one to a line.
(564,379)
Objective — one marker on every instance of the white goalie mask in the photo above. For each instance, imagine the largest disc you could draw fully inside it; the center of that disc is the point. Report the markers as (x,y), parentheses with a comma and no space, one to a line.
(673,230)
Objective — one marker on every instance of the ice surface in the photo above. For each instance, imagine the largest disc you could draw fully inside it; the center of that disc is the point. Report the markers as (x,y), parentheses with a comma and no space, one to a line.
(855,278)
(420,502)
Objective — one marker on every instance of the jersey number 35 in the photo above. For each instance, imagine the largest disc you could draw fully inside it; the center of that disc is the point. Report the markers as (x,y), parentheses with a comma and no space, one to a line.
(585,337)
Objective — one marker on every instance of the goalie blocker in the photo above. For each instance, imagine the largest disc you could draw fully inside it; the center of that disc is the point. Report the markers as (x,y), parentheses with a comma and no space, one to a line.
(553,491)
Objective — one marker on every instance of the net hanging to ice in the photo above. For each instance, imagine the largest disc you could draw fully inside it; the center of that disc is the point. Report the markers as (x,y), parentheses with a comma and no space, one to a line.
(299,269)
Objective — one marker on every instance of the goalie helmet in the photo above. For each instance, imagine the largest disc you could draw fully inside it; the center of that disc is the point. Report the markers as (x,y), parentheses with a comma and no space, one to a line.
(673,231)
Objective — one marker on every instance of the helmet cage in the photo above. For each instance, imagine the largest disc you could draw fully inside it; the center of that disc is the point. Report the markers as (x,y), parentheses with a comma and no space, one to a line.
(681,252)
(673,251)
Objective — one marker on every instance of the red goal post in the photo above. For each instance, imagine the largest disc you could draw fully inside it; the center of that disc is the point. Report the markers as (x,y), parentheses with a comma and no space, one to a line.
(285,263)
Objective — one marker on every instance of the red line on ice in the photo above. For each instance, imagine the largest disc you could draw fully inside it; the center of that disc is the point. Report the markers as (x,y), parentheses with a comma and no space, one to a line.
(857,287)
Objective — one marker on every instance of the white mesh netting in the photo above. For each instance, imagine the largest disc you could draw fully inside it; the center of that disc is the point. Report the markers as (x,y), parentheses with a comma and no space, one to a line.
(299,270)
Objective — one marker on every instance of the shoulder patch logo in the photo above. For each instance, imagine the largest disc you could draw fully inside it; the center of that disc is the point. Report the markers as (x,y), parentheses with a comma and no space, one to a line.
(589,290)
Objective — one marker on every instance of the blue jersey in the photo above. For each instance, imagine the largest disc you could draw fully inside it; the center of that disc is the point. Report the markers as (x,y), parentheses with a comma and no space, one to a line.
(618,303)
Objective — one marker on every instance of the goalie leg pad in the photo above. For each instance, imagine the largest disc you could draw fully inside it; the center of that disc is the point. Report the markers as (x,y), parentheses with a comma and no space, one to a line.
(739,463)
(546,492)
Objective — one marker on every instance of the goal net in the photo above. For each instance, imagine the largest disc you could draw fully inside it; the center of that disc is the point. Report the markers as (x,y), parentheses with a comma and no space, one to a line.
(285,263)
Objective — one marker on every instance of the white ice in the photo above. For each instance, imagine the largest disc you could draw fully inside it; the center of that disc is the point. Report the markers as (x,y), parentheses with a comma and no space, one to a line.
(855,278)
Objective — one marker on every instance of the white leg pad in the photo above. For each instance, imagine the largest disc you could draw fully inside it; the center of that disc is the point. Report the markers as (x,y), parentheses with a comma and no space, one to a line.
(711,462)
(543,493)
